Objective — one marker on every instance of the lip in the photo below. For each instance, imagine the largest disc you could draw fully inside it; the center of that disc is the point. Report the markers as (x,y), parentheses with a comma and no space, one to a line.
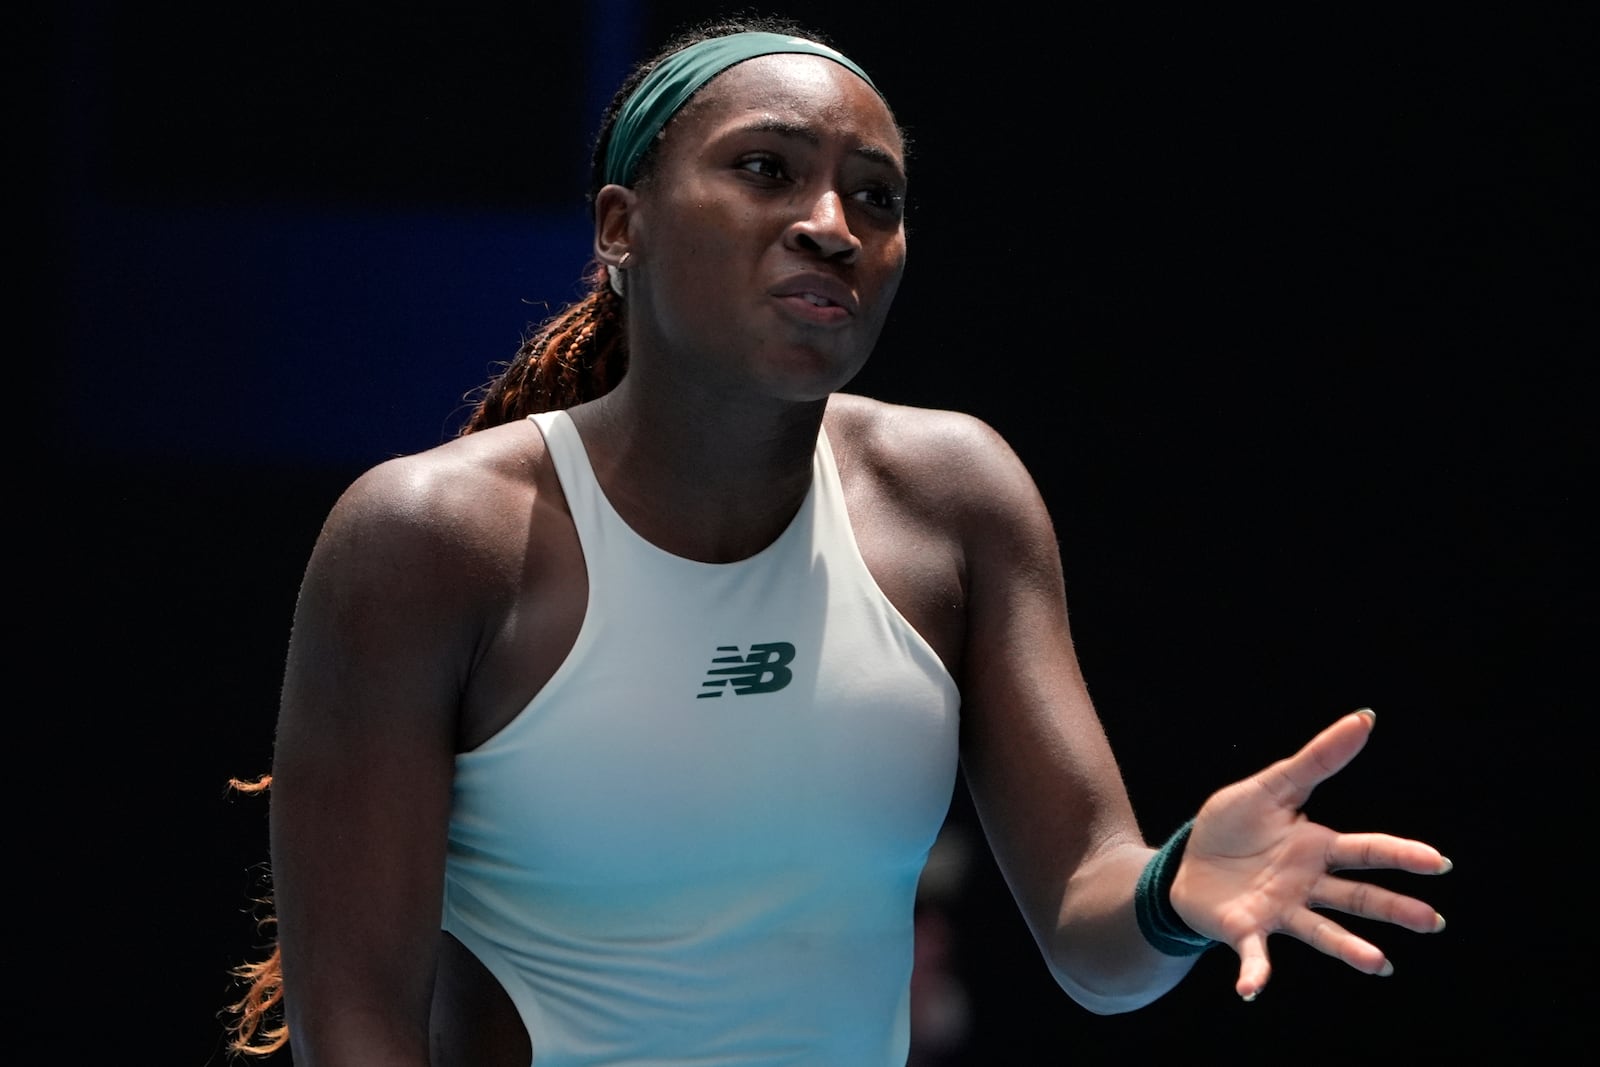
(799,293)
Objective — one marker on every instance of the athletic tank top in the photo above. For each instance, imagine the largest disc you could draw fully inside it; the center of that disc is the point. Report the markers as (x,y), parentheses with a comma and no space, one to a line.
(700,842)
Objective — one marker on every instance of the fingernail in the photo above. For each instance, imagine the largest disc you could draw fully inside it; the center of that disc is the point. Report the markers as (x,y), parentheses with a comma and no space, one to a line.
(1248,997)
(1445,866)
(1438,922)
(1388,969)
(1368,714)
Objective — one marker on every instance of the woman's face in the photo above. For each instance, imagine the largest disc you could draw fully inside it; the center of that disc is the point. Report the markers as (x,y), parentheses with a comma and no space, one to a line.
(770,239)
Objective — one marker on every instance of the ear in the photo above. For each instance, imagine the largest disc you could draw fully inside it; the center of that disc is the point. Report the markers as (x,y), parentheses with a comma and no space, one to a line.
(613,214)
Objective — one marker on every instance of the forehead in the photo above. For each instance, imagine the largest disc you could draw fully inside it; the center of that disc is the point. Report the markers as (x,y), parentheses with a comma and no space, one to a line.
(803,89)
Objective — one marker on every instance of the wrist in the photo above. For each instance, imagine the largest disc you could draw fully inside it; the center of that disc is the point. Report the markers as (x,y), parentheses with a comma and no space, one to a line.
(1159,921)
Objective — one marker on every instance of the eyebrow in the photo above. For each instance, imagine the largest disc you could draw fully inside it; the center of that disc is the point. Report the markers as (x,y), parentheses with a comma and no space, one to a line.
(808,134)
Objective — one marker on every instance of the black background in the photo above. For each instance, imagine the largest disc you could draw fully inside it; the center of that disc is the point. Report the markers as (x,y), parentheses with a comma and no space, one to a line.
(1290,314)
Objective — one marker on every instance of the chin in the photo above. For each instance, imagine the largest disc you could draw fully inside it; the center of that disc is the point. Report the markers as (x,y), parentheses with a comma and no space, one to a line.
(817,375)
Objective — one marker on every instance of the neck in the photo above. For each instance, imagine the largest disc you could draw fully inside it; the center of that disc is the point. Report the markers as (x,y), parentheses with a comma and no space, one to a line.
(712,483)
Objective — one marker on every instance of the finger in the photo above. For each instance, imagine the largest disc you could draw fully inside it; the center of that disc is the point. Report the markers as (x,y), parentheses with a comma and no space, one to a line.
(1375,902)
(1254,966)
(1367,852)
(1291,780)
(1328,937)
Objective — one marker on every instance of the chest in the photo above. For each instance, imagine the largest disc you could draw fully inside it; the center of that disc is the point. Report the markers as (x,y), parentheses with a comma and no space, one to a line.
(904,563)
(785,710)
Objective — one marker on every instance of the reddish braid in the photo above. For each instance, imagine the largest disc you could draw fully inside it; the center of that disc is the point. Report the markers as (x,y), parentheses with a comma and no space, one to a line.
(577,354)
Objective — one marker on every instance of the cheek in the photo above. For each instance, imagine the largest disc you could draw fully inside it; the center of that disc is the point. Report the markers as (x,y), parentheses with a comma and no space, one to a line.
(890,268)
(701,246)
(891,288)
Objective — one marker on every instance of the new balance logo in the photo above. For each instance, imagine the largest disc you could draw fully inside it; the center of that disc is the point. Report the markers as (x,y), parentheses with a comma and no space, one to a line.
(764,670)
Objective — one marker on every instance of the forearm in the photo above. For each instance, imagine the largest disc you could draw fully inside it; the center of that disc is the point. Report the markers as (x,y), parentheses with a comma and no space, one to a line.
(1098,953)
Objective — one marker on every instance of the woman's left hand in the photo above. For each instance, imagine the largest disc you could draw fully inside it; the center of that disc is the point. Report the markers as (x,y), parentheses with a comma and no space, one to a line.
(1255,865)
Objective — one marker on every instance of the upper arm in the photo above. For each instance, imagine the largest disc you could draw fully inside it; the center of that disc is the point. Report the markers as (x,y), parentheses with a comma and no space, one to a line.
(362,765)
(1041,772)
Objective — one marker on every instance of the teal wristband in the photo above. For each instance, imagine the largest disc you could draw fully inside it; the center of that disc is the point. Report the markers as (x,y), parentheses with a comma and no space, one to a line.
(1152,901)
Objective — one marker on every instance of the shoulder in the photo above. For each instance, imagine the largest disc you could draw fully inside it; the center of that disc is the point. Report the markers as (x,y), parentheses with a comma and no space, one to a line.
(900,433)
(946,458)
(465,497)
(450,480)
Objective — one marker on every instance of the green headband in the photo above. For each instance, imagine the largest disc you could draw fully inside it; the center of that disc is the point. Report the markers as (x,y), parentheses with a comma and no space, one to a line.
(678,77)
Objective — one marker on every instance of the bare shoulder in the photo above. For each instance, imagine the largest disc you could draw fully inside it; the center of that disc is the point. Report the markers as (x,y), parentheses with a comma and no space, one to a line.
(449,483)
(468,497)
(941,457)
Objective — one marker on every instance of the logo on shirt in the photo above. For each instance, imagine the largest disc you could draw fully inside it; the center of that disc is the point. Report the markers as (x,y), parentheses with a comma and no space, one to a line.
(765,669)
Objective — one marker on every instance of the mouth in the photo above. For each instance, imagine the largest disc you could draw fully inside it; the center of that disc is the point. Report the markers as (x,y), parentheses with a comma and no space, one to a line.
(817,298)
(815,309)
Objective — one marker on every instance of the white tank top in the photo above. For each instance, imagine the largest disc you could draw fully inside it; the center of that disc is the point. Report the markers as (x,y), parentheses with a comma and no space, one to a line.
(700,842)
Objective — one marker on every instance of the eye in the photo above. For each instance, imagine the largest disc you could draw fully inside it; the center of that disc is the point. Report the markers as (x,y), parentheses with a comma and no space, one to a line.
(882,196)
(763,165)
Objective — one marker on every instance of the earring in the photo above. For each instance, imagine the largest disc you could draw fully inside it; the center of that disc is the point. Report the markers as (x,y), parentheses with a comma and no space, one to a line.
(614,273)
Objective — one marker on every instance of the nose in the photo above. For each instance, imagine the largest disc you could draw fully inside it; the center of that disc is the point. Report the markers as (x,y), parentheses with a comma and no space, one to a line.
(824,230)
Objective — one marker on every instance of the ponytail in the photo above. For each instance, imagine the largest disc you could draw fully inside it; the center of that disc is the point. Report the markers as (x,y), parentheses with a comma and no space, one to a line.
(578,354)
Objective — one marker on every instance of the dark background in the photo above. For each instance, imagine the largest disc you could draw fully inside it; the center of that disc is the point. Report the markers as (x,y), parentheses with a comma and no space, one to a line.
(1289,314)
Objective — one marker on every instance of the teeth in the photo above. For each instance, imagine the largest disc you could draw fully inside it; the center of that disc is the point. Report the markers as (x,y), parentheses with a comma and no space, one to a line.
(813,298)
